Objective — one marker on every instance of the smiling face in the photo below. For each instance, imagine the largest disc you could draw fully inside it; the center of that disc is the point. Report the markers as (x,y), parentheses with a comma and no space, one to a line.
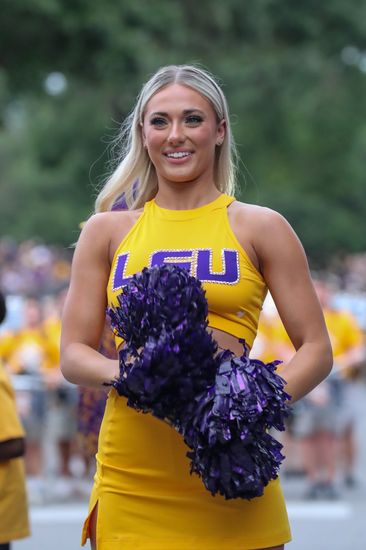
(180,131)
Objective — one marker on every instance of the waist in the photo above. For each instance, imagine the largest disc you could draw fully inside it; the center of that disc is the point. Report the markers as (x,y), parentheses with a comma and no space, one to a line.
(227,332)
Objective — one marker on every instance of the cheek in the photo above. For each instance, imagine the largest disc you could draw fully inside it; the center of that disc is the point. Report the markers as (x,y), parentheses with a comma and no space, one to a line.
(153,141)
(206,138)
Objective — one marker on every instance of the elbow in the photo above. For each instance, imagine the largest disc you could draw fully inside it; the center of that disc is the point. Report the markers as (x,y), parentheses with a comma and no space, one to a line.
(66,365)
(65,371)
(327,358)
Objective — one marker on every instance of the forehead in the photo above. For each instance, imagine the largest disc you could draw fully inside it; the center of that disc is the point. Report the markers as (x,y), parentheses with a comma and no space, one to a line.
(177,97)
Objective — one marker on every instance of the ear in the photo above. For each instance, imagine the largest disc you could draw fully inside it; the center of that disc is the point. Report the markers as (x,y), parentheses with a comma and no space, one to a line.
(221,132)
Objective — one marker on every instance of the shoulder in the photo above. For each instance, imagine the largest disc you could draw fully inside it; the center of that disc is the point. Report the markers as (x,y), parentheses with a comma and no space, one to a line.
(103,225)
(270,234)
(260,216)
(103,220)
(103,231)
(260,222)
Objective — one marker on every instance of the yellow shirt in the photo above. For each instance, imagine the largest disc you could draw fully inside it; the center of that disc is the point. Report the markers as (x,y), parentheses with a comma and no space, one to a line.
(52,331)
(345,335)
(13,499)
(343,330)
(28,350)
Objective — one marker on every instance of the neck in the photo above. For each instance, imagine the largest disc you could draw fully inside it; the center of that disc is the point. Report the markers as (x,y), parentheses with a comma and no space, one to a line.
(185,196)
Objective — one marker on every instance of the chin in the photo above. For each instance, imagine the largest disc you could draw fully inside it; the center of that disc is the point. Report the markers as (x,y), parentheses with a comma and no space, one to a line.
(181,178)
(181,181)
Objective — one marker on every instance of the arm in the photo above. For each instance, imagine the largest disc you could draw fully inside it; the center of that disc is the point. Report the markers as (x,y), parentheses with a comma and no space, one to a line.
(12,448)
(285,270)
(84,310)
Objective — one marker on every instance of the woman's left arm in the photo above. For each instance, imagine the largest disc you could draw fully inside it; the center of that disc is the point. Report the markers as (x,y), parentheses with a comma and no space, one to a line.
(285,269)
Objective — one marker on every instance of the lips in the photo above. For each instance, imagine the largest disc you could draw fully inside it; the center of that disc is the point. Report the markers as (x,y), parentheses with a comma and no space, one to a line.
(178,157)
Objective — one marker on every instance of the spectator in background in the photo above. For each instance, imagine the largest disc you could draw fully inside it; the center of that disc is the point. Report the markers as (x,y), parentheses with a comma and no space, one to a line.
(28,352)
(14,522)
(348,350)
(61,395)
(32,267)
(328,413)
(320,429)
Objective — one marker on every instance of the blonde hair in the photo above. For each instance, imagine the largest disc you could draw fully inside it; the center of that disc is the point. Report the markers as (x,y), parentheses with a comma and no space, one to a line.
(134,164)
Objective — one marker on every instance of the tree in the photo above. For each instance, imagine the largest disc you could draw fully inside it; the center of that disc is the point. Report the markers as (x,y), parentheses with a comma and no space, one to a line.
(294,74)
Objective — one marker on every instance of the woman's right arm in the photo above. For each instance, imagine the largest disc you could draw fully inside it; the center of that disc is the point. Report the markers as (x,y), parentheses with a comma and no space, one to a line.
(85,306)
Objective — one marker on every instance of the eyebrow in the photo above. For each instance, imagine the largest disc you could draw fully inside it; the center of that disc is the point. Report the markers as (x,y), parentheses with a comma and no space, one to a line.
(185,112)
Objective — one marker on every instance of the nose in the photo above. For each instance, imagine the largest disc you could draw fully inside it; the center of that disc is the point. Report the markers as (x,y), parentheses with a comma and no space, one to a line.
(176,133)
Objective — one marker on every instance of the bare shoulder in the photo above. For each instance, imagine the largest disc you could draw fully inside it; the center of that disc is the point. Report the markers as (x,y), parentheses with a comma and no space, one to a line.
(104,225)
(260,222)
(268,232)
(261,217)
(103,220)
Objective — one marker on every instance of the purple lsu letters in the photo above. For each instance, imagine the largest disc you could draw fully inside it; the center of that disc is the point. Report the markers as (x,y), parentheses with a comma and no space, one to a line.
(198,261)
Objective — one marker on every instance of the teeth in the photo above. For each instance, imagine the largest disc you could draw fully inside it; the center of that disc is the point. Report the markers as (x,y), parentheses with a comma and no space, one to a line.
(177,155)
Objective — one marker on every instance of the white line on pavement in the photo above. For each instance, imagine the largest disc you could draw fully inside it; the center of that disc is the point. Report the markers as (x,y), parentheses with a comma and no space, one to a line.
(319,510)
(58,514)
(296,510)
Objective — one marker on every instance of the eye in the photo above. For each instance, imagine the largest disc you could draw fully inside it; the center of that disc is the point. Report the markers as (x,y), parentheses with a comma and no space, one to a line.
(158,121)
(194,120)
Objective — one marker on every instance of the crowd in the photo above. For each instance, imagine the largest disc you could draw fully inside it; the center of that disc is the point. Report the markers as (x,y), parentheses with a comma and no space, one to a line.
(33,268)
(34,279)
(320,439)
(61,422)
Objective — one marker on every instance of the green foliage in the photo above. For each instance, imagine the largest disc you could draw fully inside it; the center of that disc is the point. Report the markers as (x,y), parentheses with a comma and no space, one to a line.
(297,103)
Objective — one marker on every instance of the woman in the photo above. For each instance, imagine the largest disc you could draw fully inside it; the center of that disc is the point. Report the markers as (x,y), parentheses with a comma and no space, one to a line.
(179,146)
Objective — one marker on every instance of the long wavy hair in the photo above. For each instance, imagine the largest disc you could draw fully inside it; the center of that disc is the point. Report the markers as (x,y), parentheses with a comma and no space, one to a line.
(133,162)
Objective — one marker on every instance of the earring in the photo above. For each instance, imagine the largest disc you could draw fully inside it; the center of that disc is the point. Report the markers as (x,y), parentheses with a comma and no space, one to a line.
(218,143)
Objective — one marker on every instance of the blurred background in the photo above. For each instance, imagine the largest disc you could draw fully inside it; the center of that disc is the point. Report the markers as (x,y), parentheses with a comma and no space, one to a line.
(295,78)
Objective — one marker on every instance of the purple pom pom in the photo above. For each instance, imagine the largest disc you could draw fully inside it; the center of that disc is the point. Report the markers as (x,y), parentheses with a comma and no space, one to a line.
(169,356)
(160,298)
(222,405)
(231,449)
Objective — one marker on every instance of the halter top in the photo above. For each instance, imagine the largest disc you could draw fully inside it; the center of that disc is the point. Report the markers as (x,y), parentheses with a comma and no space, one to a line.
(202,241)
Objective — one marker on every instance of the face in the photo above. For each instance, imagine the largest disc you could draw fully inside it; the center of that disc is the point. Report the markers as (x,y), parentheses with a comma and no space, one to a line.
(180,132)
(32,313)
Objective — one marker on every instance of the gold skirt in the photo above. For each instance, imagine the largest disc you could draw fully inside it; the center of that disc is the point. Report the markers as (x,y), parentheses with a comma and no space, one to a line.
(148,500)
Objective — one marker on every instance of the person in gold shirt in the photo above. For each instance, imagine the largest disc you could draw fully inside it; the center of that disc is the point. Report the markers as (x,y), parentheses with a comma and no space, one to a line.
(14,523)
(349,354)
(61,395)
(29,354)
(325,419)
